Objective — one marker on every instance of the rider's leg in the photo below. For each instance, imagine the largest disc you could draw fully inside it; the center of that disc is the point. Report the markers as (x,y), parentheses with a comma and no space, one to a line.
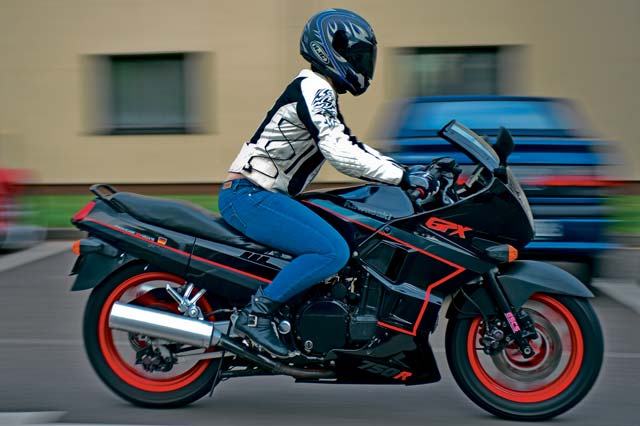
(280,222)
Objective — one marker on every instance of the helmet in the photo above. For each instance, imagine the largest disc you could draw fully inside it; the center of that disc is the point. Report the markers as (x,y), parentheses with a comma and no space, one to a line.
(342,46)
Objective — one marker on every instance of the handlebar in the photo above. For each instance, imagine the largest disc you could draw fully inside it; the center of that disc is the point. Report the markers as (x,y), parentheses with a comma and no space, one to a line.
(445,171)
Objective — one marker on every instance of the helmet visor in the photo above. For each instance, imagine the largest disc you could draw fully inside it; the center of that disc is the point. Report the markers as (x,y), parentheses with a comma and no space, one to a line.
(362,57)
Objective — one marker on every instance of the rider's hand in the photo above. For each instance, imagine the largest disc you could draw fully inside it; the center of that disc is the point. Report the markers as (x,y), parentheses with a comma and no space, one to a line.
(447,170)
(422,179)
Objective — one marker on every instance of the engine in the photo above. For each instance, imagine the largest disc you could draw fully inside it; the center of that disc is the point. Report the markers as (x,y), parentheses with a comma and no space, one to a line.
(332,318)
(322,325)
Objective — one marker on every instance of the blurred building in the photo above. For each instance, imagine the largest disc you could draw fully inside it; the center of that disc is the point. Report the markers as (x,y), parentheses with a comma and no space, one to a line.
(160,91)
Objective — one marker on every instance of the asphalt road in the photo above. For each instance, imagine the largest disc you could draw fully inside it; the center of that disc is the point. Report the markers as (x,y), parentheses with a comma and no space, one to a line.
(43,368)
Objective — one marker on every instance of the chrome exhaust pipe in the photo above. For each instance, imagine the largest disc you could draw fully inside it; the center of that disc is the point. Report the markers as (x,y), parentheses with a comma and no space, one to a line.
(203,334)
(173,327)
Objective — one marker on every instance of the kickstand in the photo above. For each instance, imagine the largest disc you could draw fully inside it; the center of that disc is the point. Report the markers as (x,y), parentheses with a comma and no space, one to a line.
(218,376)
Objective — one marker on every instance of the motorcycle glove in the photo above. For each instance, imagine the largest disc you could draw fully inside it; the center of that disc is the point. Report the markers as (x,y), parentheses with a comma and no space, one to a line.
(421,178)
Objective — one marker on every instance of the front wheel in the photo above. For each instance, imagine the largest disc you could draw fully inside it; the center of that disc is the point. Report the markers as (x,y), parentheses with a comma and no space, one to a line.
(569,352)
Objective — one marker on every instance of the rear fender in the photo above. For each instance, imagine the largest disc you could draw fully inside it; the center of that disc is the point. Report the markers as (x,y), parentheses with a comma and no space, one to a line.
(97,261)
(519,280)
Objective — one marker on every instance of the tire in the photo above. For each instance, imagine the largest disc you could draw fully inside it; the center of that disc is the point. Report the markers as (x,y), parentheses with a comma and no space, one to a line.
(114,362)
(569,354)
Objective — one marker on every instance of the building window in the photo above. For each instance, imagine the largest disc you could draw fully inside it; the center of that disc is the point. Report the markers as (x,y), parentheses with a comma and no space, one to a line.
(438,71)
(159,93)
(148,94)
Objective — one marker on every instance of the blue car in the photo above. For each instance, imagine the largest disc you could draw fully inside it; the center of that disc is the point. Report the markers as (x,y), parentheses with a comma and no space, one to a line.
(557,161)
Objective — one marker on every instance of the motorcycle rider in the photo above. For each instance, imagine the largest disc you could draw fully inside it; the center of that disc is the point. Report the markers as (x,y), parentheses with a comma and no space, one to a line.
(302,130)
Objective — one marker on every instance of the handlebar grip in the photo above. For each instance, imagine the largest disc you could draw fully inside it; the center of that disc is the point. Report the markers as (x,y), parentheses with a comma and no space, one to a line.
(420,192)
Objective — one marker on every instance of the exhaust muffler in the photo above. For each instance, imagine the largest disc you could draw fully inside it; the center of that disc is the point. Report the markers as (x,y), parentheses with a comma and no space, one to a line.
(203,334)
(176,328)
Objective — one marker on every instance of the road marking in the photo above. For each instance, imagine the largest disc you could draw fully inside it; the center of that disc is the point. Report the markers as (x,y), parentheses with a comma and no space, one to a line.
(41,418)
(41,251)
(42,342)
(30,418)
(622,355)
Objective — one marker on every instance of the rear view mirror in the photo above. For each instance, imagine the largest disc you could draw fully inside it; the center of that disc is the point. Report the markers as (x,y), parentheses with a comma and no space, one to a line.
(504,145)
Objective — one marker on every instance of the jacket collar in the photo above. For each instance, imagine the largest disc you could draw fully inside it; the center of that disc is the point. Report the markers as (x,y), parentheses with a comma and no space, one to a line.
(308,73)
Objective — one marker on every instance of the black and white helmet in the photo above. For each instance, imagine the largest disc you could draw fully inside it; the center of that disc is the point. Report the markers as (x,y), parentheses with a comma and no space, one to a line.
(341,45)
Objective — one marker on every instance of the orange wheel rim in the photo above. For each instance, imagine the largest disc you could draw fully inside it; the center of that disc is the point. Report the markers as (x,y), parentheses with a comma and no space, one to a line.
(539,392)
(123,369)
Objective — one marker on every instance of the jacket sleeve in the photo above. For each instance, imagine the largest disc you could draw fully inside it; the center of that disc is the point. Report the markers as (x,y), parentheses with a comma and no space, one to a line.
(342,150)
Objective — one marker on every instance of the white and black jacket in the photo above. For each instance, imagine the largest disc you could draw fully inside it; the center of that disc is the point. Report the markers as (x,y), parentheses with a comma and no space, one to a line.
(303,129)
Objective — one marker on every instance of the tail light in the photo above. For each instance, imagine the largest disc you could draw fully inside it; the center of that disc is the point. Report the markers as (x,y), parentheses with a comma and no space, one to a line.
(83,212)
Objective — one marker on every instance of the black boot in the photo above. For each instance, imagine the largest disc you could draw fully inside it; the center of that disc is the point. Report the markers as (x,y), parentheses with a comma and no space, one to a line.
(255,322)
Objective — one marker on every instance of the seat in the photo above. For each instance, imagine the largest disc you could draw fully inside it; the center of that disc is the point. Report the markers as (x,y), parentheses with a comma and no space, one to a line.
(184,217)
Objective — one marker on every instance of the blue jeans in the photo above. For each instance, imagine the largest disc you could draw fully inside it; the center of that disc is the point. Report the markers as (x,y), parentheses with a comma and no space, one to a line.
(278,221)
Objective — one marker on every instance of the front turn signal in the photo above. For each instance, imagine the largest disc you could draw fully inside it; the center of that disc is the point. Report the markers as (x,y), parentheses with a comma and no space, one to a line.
(502,253)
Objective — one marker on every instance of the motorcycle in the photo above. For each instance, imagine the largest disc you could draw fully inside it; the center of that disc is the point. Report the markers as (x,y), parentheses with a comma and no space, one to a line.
(167,279)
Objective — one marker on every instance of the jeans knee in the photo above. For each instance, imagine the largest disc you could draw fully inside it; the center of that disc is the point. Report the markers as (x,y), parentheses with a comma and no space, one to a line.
(341,254)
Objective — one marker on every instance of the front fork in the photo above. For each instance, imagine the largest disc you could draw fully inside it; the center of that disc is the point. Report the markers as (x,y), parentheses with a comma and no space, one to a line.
(522,326)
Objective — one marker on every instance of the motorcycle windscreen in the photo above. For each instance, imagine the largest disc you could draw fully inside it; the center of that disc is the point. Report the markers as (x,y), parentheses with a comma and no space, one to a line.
(470,143)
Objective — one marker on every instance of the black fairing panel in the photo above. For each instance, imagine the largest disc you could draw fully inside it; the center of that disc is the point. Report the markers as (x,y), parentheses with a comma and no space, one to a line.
(413,363)
(232,272)
(409,275)
(490,214)
(156,245)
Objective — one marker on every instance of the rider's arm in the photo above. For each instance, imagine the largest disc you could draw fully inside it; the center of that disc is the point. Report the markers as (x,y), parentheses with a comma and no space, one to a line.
(342,150)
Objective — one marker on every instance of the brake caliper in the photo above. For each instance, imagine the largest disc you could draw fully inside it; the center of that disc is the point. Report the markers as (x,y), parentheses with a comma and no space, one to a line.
(498,334)
(156,357)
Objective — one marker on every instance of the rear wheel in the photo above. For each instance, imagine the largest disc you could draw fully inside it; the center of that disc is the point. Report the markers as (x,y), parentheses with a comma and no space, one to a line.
(569,352)
(118,356)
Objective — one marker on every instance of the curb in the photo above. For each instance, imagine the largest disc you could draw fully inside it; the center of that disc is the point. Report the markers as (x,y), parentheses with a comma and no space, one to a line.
(626,292)
(626,241)
(32,254)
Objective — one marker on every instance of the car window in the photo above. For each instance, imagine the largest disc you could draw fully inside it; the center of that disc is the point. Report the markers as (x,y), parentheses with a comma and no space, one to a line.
(530,115)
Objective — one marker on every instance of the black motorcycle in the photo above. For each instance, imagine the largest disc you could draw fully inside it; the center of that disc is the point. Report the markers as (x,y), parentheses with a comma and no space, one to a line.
(168,278)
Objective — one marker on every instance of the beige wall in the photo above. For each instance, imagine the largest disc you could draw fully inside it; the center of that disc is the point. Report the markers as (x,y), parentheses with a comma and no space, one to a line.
(580,49)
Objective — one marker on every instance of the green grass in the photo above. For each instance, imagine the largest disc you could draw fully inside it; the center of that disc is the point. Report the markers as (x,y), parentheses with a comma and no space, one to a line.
(55,211)
(626,213)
